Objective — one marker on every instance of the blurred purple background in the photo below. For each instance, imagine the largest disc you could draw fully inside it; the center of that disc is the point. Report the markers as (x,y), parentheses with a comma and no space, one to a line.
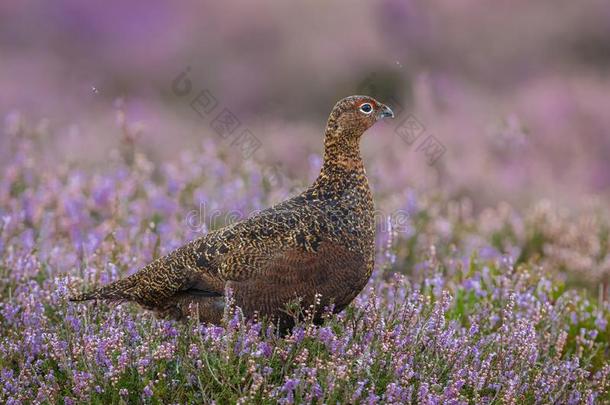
(518,92)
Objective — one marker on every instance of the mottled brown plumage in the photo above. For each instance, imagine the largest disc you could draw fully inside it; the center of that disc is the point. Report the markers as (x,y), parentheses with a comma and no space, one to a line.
(320,242)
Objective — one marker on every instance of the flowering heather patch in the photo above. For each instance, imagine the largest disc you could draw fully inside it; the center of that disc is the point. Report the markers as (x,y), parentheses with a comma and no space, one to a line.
(462,308)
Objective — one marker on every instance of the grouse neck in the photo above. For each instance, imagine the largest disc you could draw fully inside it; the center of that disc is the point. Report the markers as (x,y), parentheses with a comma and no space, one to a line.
(341,155)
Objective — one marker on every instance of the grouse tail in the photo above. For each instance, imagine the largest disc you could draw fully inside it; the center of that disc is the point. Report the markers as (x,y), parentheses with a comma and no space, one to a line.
(117,291)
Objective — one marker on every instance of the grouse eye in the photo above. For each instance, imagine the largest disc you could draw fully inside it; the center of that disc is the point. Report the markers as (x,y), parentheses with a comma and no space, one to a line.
(366,108)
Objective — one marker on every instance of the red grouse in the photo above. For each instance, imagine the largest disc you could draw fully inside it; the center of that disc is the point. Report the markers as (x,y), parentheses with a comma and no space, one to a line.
(320,242)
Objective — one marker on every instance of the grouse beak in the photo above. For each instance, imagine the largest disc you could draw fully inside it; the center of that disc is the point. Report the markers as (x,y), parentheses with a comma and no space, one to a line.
(385,112)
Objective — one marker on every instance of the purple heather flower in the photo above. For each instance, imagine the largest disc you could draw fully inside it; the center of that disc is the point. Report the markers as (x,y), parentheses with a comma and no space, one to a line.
(264,349)
(147,392)
(601,322)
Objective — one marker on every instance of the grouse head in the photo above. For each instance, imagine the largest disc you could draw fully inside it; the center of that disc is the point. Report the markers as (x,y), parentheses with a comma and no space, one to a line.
(353,115)
(348,120)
